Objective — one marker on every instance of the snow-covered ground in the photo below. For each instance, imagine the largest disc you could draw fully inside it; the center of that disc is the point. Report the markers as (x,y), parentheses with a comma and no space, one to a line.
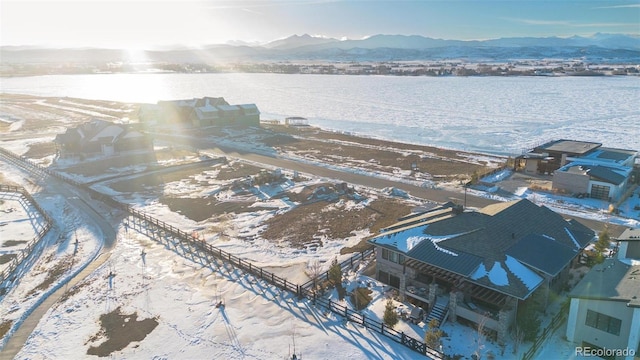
(586,208)
(257,321)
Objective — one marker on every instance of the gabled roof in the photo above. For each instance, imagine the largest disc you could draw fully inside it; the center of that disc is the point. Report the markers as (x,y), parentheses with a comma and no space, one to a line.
(207,112)
(557,255)
(430,251)
(612,280)
(507,276)
(515,236)
(249,109)
(108,132)
(502,225)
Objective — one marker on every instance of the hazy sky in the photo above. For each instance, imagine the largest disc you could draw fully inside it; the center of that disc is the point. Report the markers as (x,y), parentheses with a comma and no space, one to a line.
(145,24)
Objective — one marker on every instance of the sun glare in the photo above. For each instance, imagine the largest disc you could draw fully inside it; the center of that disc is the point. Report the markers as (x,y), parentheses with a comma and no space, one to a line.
(131,87)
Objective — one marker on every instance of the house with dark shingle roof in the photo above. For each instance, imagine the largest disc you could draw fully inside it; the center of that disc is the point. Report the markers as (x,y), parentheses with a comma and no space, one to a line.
(100,137)
(482,262)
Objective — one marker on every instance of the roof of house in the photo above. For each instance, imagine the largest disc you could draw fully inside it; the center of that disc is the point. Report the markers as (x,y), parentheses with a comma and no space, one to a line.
(508,276)
(207,112)
(613,280)
(98,130)
(108,133)
(557,256)
(610,174)
(569,146)
(228,108)
(606,174)
(617,156)
(515,236)
(249,109)
(630,234)
(504,224)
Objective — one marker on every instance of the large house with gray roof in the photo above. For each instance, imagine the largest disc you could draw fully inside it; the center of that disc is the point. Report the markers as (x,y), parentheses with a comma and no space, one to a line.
(479,265)
(199,112)
(100,137)
(604,173)
(605,304)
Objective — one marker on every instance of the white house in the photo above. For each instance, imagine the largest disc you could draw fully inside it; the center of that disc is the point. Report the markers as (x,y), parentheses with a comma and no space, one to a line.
(605,305)
(602,173)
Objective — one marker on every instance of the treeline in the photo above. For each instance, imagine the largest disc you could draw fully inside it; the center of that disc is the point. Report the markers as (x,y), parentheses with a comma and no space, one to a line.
(444,68)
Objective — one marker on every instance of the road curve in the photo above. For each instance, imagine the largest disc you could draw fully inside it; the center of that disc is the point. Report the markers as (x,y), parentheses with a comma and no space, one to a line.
(81,203)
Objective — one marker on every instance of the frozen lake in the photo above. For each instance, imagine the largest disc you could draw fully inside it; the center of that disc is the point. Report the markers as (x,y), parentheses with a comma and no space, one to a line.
(499,115)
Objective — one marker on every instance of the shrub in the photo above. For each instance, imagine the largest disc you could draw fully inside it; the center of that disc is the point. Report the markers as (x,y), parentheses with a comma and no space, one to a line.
(528,321)
(433,335)
(390,317)
(603,241)
(335,273)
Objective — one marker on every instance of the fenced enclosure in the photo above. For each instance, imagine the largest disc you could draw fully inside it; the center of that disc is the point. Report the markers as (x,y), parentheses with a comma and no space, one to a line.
(195,247)
(24,253)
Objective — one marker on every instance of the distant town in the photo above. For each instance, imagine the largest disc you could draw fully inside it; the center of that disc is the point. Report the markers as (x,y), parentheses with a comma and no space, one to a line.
(394,68)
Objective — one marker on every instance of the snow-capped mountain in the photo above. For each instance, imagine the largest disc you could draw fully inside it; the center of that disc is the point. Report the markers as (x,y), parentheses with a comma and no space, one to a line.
(597,48)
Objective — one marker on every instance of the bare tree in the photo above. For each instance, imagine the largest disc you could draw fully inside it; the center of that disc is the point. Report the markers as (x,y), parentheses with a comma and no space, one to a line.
(481,337)
(314,269)
(518,338)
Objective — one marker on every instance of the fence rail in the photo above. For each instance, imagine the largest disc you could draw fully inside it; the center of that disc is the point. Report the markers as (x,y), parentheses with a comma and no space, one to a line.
(556,321)
(197,246)
(26,251)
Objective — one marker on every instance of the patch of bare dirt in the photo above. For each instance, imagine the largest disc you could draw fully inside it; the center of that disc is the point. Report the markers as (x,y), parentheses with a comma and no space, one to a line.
(372,154)
(120,330)
(199,209)
(5,258)
(40,150)
(237,170)
(4,327)
(9,243)
(303,224)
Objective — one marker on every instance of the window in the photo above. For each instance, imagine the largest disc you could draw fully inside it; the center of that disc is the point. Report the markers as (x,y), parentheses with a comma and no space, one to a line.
(392,256)
(394,281)
(600,192)
(383,276)
(603,322)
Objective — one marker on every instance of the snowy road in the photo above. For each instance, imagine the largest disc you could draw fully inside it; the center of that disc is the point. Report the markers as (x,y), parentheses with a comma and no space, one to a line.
(431,194)
(81,203)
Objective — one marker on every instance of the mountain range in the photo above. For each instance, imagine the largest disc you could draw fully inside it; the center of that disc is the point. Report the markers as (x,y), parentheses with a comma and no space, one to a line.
(602,48)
